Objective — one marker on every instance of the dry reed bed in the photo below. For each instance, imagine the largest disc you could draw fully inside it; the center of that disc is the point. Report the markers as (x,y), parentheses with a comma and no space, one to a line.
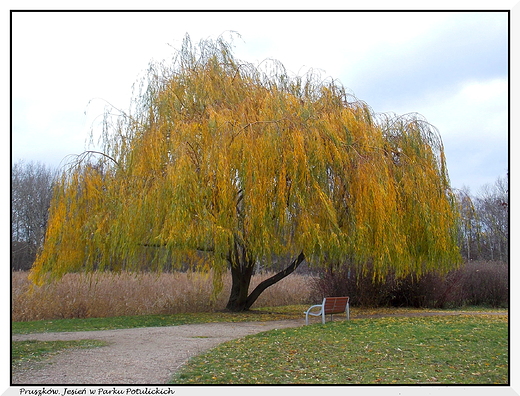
(117,294)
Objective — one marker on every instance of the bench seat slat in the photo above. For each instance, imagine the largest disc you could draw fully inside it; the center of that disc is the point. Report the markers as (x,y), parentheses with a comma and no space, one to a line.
(335,305)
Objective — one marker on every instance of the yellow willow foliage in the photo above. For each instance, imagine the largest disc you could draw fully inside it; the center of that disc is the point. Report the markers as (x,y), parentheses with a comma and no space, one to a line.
(220,154)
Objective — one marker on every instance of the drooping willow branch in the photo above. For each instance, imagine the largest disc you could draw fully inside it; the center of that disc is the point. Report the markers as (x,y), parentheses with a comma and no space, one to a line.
(221,156)
(89,152)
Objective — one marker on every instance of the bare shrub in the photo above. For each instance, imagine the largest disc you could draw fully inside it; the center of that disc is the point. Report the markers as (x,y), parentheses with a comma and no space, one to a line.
(475,283)
(106,294)
(486,283)
(345,281)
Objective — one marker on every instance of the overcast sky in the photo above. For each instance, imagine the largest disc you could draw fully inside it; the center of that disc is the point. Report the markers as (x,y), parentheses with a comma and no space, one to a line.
(451,67)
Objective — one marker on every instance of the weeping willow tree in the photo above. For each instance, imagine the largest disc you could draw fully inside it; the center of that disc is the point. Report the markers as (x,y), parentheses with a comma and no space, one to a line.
(246,163)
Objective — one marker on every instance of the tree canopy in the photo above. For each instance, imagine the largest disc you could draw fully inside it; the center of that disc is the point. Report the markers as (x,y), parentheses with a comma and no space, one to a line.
(247,162)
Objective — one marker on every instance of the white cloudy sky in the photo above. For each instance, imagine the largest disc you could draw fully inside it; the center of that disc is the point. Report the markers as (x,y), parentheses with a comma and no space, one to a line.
(451,67)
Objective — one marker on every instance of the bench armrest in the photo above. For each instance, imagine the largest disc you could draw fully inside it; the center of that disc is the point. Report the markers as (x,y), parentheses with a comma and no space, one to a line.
(318,313)
(314,306)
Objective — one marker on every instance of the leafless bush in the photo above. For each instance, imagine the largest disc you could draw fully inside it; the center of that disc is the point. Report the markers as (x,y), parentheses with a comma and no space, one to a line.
(476,283)
(345,281)
(485,283)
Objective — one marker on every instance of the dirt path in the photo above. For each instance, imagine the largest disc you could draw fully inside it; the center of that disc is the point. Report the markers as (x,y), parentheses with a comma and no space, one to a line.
(138,356)
(147,355)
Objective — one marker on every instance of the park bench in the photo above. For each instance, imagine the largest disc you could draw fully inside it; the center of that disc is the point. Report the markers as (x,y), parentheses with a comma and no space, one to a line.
(329,306)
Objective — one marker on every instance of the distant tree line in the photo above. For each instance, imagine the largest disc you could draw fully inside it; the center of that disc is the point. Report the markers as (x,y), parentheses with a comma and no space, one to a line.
(484,225)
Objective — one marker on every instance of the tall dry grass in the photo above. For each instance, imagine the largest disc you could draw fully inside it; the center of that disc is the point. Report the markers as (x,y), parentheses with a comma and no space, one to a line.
(117,294)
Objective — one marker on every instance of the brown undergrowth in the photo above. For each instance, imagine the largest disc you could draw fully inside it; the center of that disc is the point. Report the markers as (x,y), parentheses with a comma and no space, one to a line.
(110,294)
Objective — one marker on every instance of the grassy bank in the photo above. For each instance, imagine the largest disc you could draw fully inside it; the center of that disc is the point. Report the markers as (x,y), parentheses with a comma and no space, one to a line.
(404,350)
(259,314)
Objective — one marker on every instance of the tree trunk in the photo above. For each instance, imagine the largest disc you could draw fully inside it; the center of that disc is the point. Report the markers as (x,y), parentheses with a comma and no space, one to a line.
(239,300)
(241,272)
(240,280)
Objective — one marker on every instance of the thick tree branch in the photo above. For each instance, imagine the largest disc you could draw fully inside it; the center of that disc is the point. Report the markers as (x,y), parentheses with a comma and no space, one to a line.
(272,280)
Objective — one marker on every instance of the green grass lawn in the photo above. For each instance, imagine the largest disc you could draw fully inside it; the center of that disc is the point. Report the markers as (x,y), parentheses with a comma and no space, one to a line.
(418,350)
(258,314)
(392,350)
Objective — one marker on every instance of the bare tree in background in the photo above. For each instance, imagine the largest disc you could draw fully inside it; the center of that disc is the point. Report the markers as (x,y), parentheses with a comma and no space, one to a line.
(31,192)
(469,228)
(484,222)
(492,205)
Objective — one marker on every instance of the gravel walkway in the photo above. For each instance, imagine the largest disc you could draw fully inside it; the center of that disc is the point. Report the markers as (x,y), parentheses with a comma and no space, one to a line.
(142,356)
